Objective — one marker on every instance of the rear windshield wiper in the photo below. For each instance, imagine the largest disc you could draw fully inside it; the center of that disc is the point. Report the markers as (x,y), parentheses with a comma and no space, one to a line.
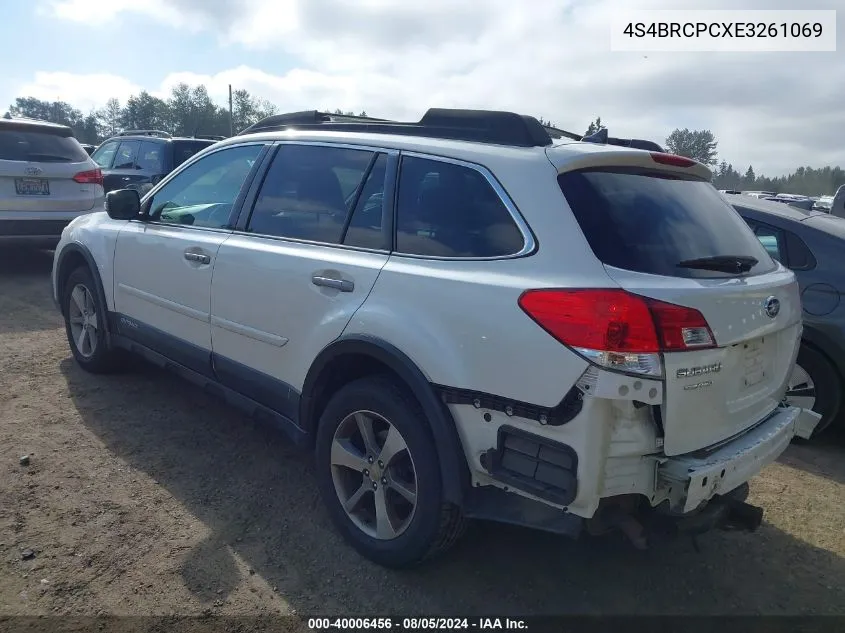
(721,263)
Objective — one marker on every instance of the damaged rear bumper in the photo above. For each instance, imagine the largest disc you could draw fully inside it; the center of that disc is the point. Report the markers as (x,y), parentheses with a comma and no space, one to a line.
(692,480)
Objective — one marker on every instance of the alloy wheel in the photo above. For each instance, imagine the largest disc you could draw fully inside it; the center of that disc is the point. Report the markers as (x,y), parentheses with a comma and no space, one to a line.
(801,390)
(374,475)
(84,323)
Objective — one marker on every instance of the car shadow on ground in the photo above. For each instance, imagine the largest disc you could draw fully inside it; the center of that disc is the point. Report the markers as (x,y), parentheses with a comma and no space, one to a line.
(258,499)
(25,289)
(823,456)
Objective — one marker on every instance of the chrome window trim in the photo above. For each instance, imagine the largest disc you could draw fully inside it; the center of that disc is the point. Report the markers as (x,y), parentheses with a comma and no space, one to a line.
(529,243)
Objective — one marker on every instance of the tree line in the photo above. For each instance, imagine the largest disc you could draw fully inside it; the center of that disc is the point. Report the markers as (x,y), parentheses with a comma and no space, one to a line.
(189,111)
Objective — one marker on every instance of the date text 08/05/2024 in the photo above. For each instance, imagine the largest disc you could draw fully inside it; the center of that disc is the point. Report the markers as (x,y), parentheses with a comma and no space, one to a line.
(417,624)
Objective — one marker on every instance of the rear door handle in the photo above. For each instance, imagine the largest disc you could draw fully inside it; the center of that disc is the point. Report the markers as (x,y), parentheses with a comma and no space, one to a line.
(197,257)
(344,285)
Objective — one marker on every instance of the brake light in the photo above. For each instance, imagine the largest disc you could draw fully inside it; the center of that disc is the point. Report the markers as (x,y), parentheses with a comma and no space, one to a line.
(672,159)
(91,177)
(617,329)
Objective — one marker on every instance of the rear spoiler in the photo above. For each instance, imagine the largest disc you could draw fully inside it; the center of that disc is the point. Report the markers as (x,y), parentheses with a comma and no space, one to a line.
(603,138)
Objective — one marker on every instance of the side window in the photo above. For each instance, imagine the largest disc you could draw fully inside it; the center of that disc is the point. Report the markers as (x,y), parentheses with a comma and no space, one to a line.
(204,193)
(126,153)
(151,157)
(365,227)
(105,153)
(302,196)
(772,241)
(451,210)
(799,255)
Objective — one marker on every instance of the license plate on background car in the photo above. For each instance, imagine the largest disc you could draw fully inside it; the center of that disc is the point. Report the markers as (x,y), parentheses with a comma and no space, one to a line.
(32,186)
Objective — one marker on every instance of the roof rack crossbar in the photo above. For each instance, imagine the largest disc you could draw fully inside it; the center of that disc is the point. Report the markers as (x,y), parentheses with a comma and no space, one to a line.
(484,126)
(158,133)
(602,137)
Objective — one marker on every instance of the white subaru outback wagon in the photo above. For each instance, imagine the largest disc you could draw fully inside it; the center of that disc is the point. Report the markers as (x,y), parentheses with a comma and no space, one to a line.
(464,317)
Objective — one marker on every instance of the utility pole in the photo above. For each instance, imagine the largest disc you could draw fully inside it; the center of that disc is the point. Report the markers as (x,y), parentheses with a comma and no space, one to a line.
(231,114)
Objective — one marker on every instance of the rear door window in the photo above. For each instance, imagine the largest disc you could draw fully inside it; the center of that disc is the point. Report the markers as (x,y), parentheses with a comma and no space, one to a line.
(309,191)
(650,222)
(39,147)
(126,154)
(151,157)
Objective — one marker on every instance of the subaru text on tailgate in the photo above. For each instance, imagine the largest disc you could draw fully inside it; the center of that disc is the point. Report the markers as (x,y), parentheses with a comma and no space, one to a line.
(464,318)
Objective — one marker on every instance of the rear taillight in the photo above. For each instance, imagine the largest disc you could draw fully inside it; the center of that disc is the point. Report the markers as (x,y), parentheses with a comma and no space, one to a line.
(91,177)
(672,159)
(617,329)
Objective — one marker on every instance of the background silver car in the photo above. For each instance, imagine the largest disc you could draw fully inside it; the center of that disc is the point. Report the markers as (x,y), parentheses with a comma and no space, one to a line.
(46,180)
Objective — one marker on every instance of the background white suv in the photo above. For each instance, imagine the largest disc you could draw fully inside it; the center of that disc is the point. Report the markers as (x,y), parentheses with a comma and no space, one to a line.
(464,317)
(46,180)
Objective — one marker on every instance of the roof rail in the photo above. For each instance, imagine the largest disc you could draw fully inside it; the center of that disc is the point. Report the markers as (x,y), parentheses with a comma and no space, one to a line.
(157,133)
(482,126)
(209,137)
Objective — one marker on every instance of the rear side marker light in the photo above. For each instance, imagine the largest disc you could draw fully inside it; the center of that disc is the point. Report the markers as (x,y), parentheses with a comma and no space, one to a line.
(617,329)
(672,159)
(91,177)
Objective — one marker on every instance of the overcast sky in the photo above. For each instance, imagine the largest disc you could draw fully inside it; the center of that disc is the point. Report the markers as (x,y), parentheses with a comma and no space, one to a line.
(396,58)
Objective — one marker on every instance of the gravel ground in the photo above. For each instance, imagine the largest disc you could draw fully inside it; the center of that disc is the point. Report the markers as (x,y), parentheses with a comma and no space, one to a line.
(144,495)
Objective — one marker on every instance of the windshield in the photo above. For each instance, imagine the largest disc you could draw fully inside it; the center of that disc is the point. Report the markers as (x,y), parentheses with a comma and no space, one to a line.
(653,223)
(40,147)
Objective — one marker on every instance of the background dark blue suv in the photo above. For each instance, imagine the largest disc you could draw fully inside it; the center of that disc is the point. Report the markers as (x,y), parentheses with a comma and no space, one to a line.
(138,159)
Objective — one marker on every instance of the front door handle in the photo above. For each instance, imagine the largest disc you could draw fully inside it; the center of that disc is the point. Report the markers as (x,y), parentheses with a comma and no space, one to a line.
(344,285)
(197,257)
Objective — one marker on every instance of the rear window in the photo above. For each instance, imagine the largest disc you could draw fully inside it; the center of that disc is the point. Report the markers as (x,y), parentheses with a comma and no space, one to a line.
(183,150)
(40,147)
(649,222)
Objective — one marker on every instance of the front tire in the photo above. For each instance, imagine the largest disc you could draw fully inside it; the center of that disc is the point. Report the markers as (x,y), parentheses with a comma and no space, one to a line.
(85,323)
(815,384)
(379,475)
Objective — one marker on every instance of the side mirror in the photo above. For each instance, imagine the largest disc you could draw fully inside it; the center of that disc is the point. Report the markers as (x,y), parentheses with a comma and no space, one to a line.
(123,204)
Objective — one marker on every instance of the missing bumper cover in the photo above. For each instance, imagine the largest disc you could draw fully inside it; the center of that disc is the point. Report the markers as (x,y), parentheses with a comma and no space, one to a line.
(565,411)
(534,464)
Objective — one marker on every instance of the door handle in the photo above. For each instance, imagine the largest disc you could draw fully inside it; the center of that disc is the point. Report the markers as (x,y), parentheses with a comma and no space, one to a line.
(197,257)
(125,178)
(344,285)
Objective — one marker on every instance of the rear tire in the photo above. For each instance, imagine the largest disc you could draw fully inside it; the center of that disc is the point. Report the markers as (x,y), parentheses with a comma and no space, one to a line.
(85,323)
(358,476)
(816,384)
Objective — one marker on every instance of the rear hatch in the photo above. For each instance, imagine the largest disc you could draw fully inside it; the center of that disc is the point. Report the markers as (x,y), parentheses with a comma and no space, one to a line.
(44,168)
(663,232)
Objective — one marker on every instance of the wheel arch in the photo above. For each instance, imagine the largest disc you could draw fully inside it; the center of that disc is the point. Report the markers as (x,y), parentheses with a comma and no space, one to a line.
(356,356)
(71,257)
(820,343)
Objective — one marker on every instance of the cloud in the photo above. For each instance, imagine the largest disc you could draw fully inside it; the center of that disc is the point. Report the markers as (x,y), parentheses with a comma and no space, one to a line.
(551,58)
